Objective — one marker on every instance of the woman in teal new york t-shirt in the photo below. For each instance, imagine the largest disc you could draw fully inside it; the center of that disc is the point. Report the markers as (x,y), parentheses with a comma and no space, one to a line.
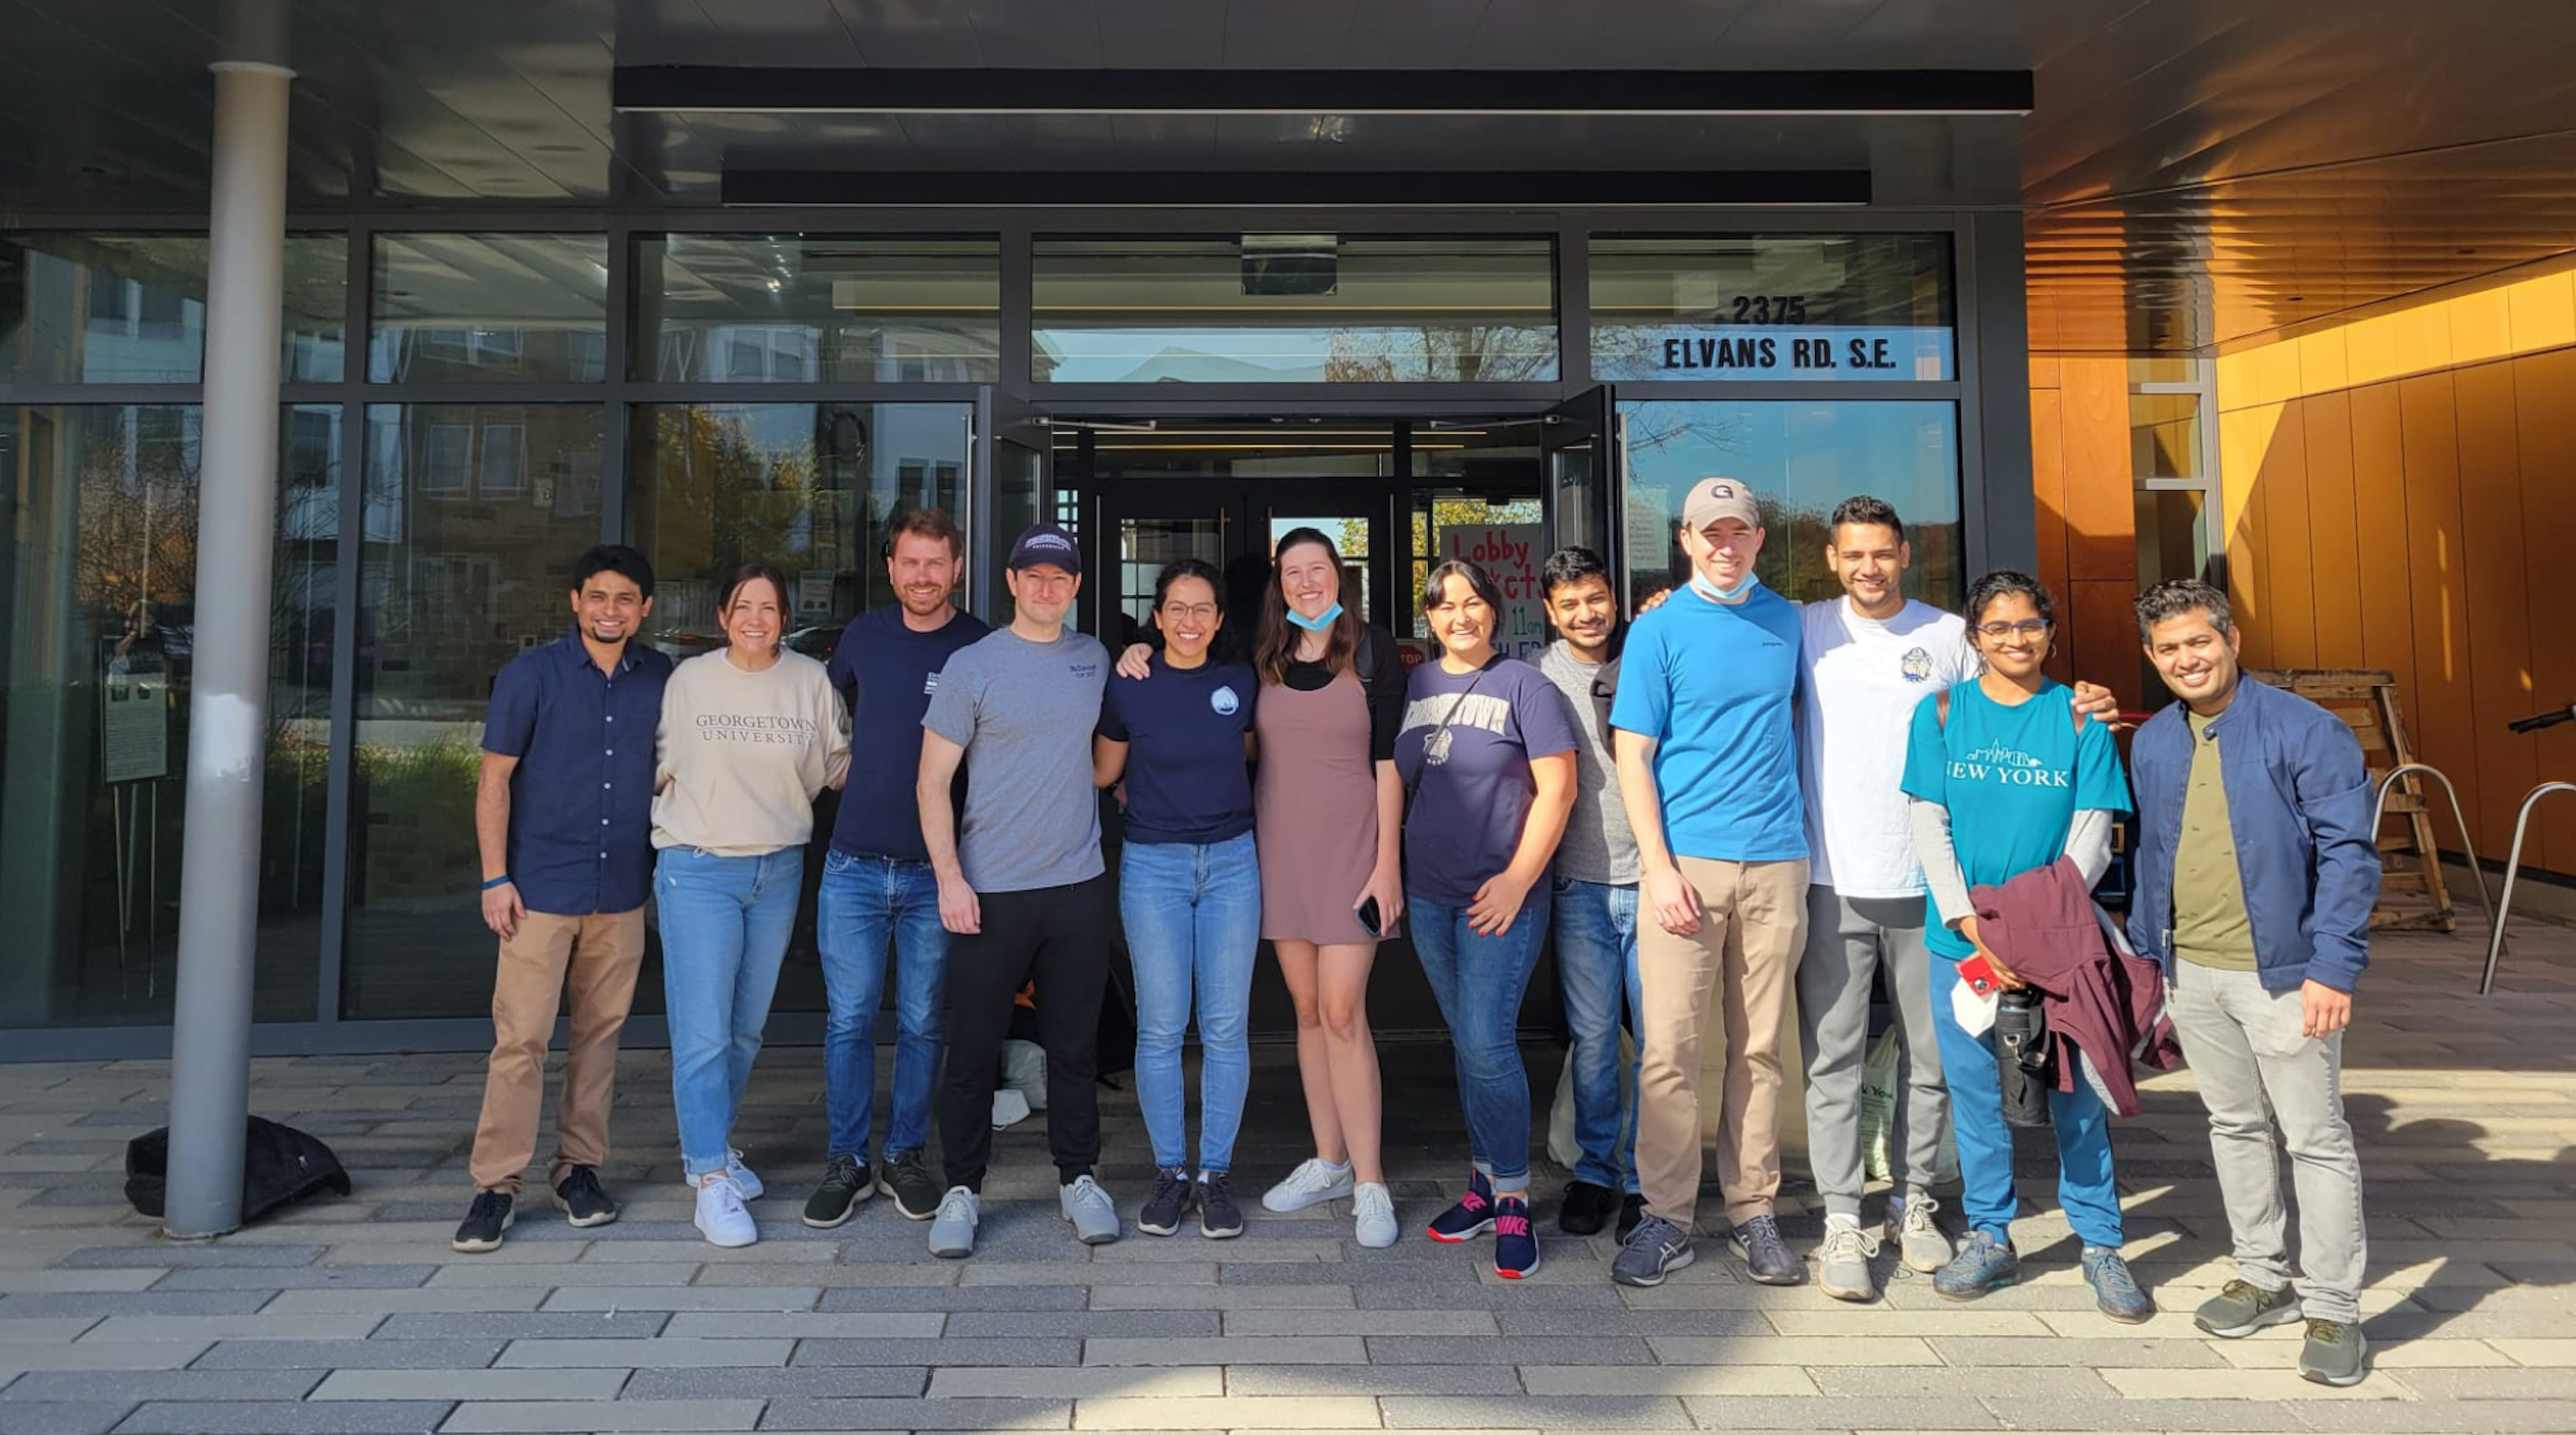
(2010,779)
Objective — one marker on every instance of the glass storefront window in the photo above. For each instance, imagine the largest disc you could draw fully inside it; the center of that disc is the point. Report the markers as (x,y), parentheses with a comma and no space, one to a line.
(1803,459)
(489,308)
(131,308)
(97,615)
(473,515)
(817,309)
(1262,308)
(1856,307)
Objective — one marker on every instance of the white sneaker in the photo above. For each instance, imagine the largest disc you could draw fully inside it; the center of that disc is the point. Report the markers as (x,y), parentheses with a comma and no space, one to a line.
(952,1232)
(1312,1184)
(721,1217)
(743,1180)
(1093,1214)
(1920,1241)
(1373,1212)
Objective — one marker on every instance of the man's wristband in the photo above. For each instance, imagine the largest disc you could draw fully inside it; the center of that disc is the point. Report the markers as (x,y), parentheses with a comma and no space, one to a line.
(501,881)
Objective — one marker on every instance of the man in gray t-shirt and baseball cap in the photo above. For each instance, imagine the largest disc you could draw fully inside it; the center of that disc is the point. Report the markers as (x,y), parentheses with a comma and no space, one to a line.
(1020,881)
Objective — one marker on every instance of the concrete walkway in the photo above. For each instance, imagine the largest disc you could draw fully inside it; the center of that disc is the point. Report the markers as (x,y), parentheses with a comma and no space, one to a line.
(353,1315)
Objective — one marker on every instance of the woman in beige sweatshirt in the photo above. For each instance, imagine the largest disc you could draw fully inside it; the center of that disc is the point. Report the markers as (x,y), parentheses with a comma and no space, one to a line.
(750,733)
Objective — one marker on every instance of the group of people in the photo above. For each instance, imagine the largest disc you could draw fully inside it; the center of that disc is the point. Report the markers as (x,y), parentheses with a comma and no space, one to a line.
(1727,801)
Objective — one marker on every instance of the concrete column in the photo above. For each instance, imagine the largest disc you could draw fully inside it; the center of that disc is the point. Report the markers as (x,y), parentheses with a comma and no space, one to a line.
(228,700)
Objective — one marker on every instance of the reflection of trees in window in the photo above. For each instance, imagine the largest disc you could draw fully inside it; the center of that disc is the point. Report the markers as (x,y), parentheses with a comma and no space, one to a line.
(136,550)
(1446,353)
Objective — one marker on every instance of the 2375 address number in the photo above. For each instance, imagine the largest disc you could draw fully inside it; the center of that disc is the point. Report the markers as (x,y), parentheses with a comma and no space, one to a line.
(1770,308)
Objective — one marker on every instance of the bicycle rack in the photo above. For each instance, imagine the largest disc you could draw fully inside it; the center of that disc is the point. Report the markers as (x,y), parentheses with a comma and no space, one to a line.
(2468,844)
(2512,865)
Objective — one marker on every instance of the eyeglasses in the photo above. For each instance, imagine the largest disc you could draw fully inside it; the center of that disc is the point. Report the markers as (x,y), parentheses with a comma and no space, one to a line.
(2026,628)
(1180,612)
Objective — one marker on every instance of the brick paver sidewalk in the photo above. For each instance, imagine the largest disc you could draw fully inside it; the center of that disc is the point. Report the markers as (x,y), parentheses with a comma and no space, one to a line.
(353,1315)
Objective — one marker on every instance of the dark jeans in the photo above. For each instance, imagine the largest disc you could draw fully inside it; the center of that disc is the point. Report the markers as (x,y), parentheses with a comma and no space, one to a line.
(1058,937)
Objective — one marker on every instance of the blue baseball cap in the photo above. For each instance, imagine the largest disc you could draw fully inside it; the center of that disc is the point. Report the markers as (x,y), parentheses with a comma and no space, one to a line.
(1049,545)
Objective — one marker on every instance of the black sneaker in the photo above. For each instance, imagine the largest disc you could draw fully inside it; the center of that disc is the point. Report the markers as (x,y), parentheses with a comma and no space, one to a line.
(846,1183)
(1767,1256)
(1632,1209)
(916,1187)
(1219,1220)
(490,1215)
(578,1196)
(1166,1204)
(1585,1209)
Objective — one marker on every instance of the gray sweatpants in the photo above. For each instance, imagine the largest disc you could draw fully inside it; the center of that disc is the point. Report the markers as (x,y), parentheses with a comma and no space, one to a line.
(2253,1065)
(1848,940)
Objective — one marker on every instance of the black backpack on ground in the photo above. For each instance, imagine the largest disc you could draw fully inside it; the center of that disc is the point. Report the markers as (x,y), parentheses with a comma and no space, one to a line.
(280,1166)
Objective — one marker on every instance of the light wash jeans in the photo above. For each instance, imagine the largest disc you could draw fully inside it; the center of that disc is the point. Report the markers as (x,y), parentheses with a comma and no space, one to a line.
(1479,982)
(725,922)
(1596,969)
(864,902)
(1193,918)
(2254,1067)
(2081,1124)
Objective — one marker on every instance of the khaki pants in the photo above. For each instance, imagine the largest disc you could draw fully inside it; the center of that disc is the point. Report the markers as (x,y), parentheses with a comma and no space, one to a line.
(593,959)
(1752,928)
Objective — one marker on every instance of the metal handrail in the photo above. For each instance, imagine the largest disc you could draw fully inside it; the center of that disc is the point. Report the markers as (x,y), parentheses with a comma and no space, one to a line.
(2468,844)
(2512,865)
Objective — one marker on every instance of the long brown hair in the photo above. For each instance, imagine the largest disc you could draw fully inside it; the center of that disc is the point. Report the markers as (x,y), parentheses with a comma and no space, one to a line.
(1277,644)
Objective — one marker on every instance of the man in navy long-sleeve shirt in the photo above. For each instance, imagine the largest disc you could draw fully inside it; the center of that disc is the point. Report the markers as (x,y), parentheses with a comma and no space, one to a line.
(877,882)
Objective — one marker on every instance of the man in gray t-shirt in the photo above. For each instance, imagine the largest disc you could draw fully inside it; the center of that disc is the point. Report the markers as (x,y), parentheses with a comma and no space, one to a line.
(1596,900)
(1022,886)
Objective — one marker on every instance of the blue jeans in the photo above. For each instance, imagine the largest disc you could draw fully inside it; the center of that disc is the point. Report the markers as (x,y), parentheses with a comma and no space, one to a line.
(724,924)
(2078,1119)
(1479,982)
(1596,967)
(1193,918)
(864,902)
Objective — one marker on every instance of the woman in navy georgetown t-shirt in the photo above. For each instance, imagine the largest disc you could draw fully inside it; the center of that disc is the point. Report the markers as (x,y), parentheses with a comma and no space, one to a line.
(1487,749)
(1188,888)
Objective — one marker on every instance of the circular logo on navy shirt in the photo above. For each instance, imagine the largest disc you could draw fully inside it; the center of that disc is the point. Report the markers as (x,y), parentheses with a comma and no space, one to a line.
(1225,702)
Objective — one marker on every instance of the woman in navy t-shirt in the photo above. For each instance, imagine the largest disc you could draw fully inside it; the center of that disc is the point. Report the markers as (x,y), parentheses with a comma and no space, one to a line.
(1487,749)
(1188,889)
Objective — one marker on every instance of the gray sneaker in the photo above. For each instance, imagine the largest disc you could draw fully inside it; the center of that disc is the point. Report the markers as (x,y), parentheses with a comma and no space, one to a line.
(2241,1308)
(1768,1257)
(1920,1241)
(1094,1215)
(2335,1353)
(952,1232)
(1843,1265)
(1656,1249)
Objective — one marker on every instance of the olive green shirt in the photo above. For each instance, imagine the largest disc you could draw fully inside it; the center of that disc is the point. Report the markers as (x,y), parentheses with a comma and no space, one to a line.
(2210,926)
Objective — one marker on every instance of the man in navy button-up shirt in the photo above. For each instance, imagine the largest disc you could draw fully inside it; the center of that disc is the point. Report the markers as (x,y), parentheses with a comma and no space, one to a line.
(564,818)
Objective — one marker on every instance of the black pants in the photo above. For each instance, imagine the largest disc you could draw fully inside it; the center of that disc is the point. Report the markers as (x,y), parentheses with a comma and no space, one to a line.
(1058,937)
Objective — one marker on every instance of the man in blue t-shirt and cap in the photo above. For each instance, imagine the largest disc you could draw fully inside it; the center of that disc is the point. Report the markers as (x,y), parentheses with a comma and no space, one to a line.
(877,883)
(1708,769)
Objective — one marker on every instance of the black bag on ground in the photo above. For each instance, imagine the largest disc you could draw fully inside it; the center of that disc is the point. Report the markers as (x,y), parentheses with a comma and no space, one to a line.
(280,1166)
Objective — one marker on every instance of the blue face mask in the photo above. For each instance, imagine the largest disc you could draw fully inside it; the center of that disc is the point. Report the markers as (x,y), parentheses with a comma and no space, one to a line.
(1318,623)
(1706,589)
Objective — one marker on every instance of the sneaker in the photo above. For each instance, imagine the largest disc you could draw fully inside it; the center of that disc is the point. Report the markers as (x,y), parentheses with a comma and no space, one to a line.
(1471,1217)
(2115,1291)
(2335,1354)
(1373,1216)
(490,1215)
(1843,1264)
(1094,1215)
(1314,1182)
(1757,1242)
(1586,1209)
(1165,1204)
(578,1196)
(1515,1243)
(1632,1210)
(1219,1218)
(743,1180)
(1920,1241)
(721,1217)
(915,1188)
(2241,1308)
(1982,1264)
(952,1234)
(1656,1250)
(846,1183)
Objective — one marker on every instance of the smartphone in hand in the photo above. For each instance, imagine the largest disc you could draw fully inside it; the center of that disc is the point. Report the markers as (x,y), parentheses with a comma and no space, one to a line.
(1980,976)
(1368,914)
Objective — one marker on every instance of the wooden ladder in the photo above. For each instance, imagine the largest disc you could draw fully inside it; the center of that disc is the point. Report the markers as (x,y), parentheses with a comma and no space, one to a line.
(2409,861)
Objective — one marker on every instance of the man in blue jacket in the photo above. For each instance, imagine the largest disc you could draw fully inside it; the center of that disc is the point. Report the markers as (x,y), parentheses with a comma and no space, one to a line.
(2257,871)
